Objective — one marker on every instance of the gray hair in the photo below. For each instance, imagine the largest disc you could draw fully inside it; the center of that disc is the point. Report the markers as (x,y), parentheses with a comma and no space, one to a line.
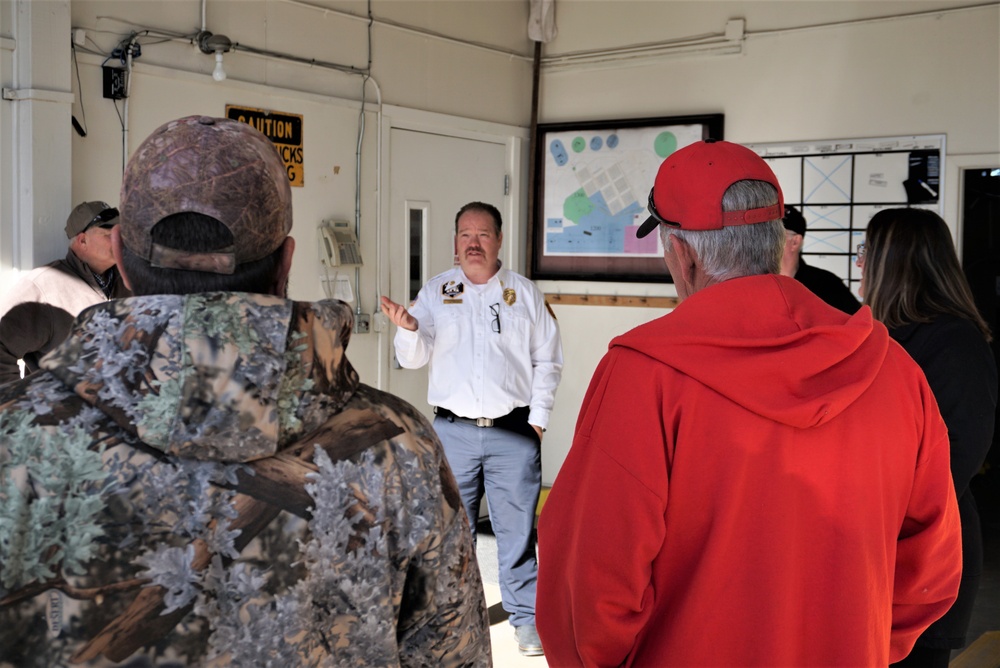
(737,250)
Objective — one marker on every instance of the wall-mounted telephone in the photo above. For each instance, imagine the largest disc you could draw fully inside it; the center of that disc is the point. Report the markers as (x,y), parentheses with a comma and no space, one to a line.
(338,244)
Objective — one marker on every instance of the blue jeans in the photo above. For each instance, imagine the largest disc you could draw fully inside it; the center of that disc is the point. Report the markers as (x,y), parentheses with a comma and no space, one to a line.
(508,467)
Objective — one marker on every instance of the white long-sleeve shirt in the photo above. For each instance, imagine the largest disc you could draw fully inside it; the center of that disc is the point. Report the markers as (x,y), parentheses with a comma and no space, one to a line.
(474,370)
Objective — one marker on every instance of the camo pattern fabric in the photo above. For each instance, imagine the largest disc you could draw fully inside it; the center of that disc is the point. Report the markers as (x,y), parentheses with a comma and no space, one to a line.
(202,480)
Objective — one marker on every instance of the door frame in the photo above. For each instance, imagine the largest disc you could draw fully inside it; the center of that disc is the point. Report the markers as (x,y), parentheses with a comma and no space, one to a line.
(513,209)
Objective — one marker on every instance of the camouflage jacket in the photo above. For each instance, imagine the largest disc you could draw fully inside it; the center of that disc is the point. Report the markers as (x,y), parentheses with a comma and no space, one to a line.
(202,480)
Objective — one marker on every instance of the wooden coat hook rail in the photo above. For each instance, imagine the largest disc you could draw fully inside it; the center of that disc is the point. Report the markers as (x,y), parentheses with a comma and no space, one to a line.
(612,300)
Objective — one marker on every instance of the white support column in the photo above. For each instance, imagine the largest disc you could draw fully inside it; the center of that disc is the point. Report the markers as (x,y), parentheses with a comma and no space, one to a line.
(35,141)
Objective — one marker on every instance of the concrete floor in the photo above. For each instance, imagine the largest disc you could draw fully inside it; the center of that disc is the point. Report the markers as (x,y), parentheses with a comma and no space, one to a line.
(986,613)
(985,617)
(505,654)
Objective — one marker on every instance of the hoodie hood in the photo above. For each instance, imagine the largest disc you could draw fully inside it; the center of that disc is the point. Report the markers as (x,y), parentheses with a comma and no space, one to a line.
(212,376)
(769,345)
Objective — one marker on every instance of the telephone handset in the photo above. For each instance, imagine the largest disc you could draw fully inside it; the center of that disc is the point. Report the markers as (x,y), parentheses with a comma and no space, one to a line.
(338,244)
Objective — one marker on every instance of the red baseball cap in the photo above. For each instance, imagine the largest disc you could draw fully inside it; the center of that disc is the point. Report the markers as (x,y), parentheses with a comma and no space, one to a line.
(687,193)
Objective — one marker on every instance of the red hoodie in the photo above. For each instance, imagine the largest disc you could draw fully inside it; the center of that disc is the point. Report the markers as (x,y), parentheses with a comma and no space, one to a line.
(756,479)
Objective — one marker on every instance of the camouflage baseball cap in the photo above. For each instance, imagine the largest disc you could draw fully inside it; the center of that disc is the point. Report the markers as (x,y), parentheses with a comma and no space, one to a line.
(87,214)
(213,166)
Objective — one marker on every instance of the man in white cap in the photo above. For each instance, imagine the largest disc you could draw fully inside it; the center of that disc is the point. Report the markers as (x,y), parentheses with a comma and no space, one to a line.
(756,479)
(36,312)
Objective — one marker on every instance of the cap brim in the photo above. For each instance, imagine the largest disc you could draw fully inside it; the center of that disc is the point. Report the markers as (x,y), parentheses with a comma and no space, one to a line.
(651,224)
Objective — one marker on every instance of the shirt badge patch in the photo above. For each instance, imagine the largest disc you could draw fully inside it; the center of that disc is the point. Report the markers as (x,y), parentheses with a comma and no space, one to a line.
(451,292)
(509,296)
(452,289)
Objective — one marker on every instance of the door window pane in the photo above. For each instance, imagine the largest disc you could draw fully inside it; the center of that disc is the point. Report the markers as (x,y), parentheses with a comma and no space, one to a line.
(415,274)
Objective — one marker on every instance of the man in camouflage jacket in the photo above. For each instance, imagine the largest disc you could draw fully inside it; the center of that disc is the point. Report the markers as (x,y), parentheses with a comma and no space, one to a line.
(201,479)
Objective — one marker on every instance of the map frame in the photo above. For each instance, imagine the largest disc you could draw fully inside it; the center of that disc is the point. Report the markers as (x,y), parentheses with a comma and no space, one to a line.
(603,263)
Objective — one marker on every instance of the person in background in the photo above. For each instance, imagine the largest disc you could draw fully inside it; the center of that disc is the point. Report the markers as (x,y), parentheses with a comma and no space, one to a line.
(35,314)
(495,360)
(196,476)
(822,283)
(756,479)
(912,280)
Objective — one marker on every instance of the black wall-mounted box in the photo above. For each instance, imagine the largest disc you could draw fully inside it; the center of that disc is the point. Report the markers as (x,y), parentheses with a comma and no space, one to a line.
(114,82)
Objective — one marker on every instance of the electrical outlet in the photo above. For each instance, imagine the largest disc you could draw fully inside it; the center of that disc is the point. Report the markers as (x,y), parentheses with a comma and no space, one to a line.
(362,323)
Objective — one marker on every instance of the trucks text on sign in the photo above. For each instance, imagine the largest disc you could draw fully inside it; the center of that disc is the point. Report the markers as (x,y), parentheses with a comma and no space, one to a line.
(285,130)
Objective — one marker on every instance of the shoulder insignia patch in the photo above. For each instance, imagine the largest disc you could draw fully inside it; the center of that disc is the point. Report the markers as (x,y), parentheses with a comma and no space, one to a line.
(451,289)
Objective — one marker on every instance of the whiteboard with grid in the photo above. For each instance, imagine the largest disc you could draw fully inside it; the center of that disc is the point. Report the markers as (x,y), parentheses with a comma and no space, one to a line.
(838,185)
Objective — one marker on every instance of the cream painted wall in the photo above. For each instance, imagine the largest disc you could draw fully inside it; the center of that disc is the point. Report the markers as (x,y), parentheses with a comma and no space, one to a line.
(171,79)
(36,81)
(412,70)
(330,134)
(938,73)
(922,75)
(586,332)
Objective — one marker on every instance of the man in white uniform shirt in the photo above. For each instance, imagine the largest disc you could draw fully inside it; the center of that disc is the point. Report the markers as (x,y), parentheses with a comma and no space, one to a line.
(495,361)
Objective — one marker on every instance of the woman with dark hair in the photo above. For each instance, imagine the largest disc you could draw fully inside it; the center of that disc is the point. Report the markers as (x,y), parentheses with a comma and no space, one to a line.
(911,279)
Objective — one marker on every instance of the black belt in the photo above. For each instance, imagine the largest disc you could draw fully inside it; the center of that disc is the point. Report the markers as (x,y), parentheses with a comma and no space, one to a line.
(451,417)
(516,420)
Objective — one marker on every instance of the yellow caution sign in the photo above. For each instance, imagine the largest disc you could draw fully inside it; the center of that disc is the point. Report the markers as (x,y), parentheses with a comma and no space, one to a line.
(285,130)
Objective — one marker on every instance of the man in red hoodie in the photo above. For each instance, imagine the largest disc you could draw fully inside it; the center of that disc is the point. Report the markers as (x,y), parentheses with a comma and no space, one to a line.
(756,478)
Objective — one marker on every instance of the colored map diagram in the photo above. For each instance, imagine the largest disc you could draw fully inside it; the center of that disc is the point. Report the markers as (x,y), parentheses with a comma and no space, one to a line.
(597,185)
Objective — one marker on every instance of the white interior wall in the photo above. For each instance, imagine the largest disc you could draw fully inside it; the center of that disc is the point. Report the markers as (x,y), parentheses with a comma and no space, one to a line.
(412,69)
(330,143)
(36,98)
(931,74)
(938,73)
(171,79)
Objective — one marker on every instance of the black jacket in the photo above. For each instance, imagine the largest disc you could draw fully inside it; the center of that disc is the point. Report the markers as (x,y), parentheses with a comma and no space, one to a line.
(961,371)
(827,286)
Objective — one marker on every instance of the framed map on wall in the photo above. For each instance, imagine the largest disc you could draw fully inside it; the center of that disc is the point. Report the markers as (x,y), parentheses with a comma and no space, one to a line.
(592,183)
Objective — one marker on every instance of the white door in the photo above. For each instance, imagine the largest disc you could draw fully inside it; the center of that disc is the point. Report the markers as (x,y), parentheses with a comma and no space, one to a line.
(432,177)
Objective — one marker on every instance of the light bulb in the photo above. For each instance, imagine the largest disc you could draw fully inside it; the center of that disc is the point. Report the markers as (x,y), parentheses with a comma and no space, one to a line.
(219,74)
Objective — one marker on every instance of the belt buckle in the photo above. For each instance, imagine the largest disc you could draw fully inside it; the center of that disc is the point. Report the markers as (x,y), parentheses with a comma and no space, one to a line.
(484,422)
